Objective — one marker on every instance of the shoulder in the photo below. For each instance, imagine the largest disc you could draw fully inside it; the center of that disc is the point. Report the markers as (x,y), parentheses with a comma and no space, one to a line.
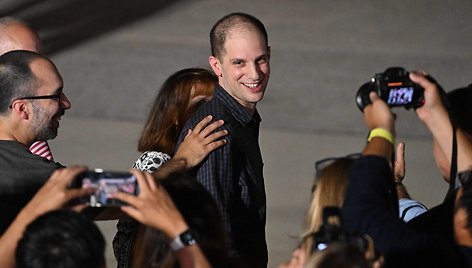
(150,161)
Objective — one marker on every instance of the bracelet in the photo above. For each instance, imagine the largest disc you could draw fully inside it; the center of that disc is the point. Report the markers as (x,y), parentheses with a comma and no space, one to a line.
(183,240)
(382,133)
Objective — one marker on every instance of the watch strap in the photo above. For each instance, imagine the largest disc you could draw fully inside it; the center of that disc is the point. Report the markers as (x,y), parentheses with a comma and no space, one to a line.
(183,240)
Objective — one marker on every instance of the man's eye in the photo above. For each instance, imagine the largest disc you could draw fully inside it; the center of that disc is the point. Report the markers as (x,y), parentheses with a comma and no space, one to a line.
(262,60)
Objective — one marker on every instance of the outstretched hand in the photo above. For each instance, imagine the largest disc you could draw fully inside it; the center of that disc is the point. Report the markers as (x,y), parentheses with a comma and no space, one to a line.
(201,141)
(153,206)
(399,169)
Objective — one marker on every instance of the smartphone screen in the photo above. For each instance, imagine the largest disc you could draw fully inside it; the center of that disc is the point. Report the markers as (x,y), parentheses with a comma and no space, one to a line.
(106,183)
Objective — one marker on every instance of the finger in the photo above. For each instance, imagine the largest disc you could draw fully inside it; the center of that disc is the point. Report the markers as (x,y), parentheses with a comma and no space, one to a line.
(132,212)
(215,145)
(401,151)
(212,127)
(153,183)
(202,123)
(71,173)
(142,182)
(79,208)
(420,79)
(127,198)
(76,193)
(188,133)
(373,96)
(216,136)
(399,169)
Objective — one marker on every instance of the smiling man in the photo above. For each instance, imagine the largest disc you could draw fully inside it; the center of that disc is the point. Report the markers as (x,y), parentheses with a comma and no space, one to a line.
(31,106)
(233,173)
(16,34)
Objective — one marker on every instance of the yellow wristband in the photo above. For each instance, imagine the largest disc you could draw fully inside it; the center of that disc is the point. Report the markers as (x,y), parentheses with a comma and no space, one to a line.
(382,133)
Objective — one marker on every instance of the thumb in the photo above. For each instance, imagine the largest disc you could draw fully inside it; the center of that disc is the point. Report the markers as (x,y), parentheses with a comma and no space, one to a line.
(373,96)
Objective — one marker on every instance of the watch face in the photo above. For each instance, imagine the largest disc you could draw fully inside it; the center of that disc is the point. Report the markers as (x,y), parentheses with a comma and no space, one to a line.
(187,238)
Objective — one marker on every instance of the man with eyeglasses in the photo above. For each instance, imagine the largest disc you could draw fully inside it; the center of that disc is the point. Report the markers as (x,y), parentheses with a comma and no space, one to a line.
(31,106)
(15,34)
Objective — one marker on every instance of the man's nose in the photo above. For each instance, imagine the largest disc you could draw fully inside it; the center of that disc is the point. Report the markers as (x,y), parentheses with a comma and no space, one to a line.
(65,103)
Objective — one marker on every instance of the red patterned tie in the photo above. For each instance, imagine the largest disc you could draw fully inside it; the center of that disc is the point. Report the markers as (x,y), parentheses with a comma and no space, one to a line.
(41,148)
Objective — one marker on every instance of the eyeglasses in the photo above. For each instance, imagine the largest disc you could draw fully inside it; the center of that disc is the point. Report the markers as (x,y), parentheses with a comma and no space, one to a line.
(41,97)
(321,164)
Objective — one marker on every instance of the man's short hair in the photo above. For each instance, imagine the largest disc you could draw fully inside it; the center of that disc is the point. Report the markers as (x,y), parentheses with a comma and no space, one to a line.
(61,238)
(9,20)
(16,77)
(460,100)
(223,26)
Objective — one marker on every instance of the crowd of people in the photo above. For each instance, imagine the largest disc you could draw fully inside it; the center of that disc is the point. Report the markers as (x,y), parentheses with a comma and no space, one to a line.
(201,199)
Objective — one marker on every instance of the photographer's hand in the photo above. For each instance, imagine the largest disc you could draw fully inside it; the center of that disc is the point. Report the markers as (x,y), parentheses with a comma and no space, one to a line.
(153,206)
(399,172)
(54,194)
(399,169)
(379,115)
(432,113)
(435,116)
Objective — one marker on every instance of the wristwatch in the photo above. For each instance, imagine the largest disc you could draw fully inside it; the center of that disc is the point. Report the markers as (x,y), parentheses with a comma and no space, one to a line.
(183,240)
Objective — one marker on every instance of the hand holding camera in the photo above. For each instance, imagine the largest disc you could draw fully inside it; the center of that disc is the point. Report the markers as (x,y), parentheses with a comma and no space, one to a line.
(394,87)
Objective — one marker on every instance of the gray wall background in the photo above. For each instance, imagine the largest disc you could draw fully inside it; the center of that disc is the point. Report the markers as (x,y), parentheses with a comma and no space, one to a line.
(114,55)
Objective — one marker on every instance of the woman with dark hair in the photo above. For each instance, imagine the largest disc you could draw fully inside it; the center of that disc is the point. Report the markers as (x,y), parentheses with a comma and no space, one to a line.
(179,96)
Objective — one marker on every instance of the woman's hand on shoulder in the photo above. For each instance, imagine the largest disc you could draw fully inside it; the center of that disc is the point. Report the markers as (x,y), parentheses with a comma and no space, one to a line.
(201,141)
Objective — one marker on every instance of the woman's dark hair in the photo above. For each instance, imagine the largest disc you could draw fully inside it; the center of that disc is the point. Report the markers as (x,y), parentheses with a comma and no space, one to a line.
(151,248)
(170,108)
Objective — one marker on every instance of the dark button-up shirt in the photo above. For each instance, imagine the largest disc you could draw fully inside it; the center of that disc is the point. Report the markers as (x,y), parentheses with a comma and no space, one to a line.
(233,176)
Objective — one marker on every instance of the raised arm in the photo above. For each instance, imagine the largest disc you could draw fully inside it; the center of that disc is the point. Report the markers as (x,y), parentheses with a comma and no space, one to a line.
(435,116)
(54,194)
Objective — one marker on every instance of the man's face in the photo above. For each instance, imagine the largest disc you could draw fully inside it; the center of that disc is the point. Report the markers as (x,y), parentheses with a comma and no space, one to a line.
(47,112)
(243,70)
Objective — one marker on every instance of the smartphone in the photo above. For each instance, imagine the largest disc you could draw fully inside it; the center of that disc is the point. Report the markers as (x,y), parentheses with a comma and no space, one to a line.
(106,184)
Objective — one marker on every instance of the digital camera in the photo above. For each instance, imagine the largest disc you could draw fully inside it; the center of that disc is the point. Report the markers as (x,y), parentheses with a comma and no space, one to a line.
(331,231)
(106,183)
(394,87)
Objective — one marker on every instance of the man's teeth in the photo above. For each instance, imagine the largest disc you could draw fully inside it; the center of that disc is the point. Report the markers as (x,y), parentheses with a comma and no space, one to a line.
(252,85)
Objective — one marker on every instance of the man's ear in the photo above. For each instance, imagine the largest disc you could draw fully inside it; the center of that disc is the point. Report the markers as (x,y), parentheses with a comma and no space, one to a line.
(215,65)
(21,108)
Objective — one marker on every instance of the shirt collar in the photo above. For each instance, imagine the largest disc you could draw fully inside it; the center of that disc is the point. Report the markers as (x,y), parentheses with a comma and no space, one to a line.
(236,109)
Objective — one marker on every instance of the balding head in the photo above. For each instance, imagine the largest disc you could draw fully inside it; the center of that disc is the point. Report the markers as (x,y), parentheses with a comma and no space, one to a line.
(16,34)
(232,22)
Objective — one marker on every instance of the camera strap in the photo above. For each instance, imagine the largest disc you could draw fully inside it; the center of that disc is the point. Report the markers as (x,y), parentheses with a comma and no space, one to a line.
(453,171)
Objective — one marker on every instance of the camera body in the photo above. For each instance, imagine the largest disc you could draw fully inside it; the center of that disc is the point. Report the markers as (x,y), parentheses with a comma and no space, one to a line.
(333,232)
(394,87)
(106,184)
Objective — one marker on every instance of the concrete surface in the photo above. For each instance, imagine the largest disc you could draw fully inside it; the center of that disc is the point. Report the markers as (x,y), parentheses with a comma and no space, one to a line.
(114,54)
